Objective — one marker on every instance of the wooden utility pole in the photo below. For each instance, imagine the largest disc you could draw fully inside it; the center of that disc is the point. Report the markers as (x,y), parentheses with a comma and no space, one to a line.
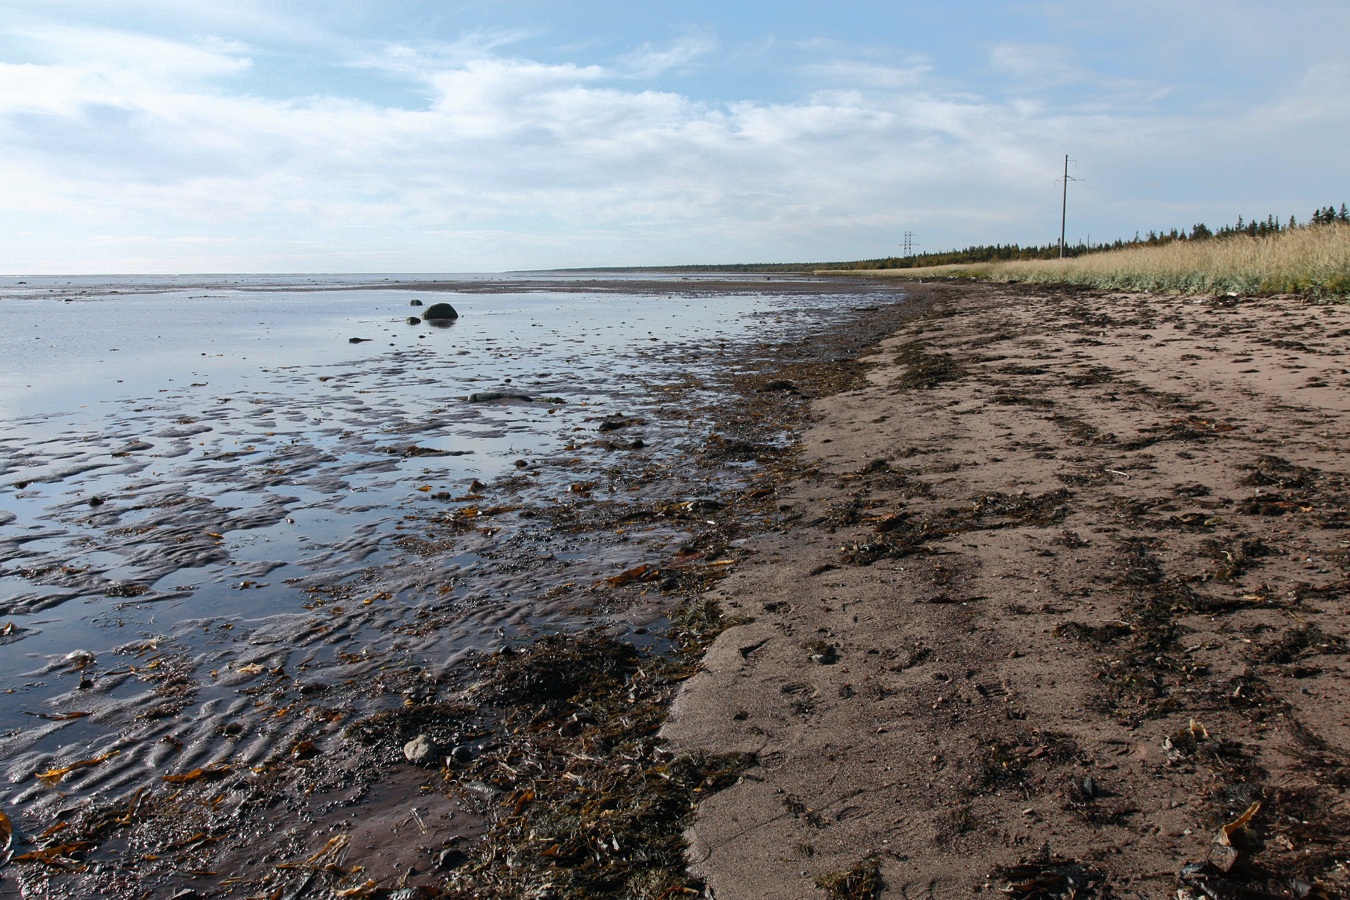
(1064,206)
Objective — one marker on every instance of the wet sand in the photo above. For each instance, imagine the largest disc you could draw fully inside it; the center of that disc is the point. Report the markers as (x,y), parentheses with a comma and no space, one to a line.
(247,738)
(1055,596)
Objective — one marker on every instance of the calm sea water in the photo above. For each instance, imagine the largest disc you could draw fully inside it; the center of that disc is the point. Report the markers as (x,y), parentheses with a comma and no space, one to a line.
(204,479)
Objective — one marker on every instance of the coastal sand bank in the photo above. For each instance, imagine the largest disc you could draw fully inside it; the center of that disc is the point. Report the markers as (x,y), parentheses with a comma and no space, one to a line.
(1057,594)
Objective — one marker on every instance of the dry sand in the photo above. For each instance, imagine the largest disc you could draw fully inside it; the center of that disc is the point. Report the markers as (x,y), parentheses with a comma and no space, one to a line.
(1065,584)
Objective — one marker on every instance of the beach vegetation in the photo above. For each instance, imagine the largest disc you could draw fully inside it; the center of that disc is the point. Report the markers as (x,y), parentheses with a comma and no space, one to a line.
(1268,259)
(983,253)
(1259,255)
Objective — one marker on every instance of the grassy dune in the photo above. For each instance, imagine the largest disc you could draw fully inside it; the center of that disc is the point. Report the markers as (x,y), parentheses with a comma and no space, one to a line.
(1313,260)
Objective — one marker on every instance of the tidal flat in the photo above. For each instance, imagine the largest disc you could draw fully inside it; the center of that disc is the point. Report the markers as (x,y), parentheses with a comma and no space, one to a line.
(256,537)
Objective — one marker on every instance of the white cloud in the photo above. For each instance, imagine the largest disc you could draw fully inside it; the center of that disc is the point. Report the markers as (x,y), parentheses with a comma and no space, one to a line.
(1039,63)
(872,76)
(432,56)
(492,96)
(505,140)
(514,162)
(649,61)
(122,56)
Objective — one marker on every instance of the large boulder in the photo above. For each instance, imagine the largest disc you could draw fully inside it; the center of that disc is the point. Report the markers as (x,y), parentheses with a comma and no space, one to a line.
(440,312)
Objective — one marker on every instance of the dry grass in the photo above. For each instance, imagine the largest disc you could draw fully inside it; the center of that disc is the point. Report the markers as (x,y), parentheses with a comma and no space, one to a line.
(1312,261)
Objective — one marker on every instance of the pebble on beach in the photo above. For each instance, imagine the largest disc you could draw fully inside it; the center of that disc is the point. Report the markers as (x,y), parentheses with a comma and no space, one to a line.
(421,750)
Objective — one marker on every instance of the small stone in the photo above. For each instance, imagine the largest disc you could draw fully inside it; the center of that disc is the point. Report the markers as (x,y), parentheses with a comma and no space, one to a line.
(826,657)
(414,302)
(1223,857)
(79,659)
(451,858)
(420,750)
(462,754)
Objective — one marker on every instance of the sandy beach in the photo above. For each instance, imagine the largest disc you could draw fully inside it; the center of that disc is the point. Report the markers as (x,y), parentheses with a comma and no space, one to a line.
(1055,606)
(1037,592)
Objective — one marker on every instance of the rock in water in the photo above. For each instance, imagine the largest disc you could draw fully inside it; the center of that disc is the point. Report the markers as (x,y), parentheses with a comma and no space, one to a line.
(414,302)
(413,320)
(440,311)
(489,396)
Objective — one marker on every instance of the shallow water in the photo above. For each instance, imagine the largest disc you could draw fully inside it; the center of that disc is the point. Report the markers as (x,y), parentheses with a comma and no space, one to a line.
(209,508)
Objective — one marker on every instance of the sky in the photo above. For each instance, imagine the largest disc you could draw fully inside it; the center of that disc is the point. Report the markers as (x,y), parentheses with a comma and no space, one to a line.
(421,136)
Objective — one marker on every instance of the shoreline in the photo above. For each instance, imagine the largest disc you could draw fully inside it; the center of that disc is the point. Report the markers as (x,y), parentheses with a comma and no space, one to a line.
(928,594)
(1061,594)
(306,785)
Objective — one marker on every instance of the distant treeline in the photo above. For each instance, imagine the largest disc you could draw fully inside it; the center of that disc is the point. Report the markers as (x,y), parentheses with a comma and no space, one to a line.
(723,269)
(995,252)
(999,252)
